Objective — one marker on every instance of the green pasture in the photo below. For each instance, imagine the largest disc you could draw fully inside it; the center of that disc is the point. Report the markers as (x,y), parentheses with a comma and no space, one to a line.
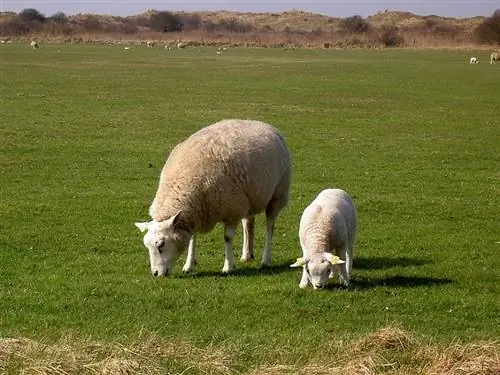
(413,136)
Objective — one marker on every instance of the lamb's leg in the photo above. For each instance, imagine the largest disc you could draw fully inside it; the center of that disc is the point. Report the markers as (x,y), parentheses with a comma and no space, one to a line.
(191,256)
(229,231)
(304,281)
(344,268)
(248,225)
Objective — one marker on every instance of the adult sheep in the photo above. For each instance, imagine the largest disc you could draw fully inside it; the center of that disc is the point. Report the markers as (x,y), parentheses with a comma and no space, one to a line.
(327,233)
(495,56)
(226,172)
(34,44)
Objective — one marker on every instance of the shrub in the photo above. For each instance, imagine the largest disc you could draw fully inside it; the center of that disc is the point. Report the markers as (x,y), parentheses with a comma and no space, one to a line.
(164,22)
(488,31)
(31,15)
(191,21)
(355,24)
(59,18)
(31,20)
(390,37)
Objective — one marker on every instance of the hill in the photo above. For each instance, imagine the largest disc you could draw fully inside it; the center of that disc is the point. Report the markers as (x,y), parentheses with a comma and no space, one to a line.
(290,28)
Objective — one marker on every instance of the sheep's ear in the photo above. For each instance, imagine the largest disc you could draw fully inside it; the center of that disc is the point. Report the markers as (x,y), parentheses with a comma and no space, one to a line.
(301,262)
(143,226)
(172,221)
(333,259)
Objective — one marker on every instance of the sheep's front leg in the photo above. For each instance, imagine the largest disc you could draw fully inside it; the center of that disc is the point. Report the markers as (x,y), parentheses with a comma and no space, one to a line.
(248,225)
(191,256)
(229,231)
(304,281)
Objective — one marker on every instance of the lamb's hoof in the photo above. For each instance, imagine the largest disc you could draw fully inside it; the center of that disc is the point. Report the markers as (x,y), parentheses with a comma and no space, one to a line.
(303,285)
(227,269)
(187,269)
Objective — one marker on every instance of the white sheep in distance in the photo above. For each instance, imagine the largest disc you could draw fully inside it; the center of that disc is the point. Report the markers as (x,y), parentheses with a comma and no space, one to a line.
(226,172)
(495,56)
(327,233)
(150,43)
(181,45)
(473,60)
(34,44)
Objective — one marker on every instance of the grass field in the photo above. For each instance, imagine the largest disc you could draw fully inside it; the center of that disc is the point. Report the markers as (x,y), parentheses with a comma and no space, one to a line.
(413,136)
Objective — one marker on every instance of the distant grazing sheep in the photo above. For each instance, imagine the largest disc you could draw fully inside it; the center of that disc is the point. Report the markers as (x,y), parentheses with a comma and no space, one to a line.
(181,45)
(473,60)
(150,43)
(227,172)
(327,233)
(495,56)
(34,44)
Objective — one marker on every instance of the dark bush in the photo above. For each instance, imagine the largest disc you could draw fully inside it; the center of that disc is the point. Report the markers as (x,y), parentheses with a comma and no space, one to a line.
(31,20)
(488,31)
(59,18)
(355,24)
(31,15)
(391,38)
(165,22)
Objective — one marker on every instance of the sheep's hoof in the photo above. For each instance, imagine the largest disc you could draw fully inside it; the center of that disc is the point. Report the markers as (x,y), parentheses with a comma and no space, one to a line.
(247,258)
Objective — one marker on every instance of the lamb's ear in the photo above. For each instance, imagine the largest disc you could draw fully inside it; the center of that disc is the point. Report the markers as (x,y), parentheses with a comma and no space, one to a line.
(333,259)
(301,262)
(143,226)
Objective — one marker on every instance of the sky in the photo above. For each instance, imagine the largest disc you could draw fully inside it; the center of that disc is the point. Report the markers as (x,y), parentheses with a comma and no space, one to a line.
(334,8)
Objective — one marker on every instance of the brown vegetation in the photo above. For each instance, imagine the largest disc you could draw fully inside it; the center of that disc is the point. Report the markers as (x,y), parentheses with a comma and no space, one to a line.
(286,29)
(390,351)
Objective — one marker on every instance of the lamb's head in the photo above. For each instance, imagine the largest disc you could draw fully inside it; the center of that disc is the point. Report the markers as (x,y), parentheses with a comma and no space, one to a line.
(319,268)
(165,241)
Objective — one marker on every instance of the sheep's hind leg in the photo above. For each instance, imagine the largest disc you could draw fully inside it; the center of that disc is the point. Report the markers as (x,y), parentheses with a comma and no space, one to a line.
(191,257)
(229,231)
(248,225)
(272,211)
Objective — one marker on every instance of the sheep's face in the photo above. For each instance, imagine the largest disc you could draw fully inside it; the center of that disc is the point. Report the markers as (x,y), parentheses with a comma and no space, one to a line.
(319,268)
(165,243)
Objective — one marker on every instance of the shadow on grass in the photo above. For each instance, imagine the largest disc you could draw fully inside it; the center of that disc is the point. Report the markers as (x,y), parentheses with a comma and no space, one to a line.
(362,283)
(245,270)
(378,263)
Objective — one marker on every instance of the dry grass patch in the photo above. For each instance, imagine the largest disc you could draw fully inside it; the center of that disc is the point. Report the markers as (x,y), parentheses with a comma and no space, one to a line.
(390,351)
(146,356)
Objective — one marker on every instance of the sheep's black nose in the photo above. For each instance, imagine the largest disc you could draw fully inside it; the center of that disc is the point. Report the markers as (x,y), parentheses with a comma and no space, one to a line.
(155,273)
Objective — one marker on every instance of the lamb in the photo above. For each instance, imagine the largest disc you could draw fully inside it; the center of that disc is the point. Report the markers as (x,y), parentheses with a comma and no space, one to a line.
(150,43)
(473,60)
(495,56)
(327,233)
(34,44)
(181,45)
(226,172)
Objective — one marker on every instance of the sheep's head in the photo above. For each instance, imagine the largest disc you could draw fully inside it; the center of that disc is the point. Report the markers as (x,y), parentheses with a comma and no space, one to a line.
(165,242)
(318,268)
